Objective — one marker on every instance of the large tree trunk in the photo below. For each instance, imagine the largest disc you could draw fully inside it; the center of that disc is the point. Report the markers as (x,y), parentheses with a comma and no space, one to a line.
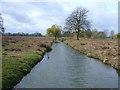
(55,36)
(78,34)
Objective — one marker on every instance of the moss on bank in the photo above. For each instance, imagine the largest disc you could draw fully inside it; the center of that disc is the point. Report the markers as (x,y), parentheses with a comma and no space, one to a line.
(20,57)
(15,67)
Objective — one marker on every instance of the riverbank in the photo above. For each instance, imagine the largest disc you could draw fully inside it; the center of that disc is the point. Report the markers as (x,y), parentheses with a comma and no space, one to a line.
(19,55)
(67,68)
(105,50)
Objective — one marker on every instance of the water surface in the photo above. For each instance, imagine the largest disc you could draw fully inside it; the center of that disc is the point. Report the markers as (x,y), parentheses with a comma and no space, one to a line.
(67,68)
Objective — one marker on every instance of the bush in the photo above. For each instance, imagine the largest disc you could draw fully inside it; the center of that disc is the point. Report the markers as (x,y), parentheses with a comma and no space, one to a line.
(48,48)
(117,36)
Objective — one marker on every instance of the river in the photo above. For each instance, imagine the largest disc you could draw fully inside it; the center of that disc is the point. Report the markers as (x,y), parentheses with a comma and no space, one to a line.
(67,68)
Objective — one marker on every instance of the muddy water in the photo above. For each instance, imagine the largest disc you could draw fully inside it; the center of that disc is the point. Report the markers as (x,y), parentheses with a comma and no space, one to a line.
(67,68)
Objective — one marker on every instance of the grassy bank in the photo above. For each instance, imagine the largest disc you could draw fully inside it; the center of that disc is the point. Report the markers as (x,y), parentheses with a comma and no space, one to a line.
(19,55)
(105,50)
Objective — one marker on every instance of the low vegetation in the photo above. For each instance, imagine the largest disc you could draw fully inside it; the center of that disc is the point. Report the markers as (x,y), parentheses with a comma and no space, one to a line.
(117,36)
(19,55)
(105,50)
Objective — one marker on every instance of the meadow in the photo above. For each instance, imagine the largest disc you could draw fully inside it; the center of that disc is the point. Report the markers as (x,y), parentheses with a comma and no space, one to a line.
(19,55)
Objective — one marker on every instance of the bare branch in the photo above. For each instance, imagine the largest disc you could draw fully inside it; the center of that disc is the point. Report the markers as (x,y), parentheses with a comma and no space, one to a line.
(77,20)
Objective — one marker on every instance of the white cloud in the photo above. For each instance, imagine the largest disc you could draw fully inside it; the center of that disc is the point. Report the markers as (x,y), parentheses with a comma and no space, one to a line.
(37,17)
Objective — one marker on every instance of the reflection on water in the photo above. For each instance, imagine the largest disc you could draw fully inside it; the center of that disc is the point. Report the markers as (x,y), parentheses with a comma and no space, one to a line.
(67,68)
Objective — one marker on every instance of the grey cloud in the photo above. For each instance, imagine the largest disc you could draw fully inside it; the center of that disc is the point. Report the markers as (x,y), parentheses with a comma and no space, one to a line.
(38,16)
(16,12)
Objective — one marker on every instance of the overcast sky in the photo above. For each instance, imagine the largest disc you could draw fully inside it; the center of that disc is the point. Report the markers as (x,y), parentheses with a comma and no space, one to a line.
(30,17)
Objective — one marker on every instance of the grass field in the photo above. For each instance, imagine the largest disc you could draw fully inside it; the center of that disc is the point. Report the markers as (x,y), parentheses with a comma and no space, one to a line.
(106,50)
(19,55)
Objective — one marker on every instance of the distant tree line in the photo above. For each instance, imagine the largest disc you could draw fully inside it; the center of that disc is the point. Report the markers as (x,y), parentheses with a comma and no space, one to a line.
(67,34)
(22,34)
(90,34)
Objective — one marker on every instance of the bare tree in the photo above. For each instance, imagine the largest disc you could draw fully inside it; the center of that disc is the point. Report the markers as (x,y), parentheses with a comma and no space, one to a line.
(77,21)
(2,29)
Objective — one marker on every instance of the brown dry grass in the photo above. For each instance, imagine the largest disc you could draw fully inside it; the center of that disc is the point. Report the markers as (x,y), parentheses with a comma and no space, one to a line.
(104,49)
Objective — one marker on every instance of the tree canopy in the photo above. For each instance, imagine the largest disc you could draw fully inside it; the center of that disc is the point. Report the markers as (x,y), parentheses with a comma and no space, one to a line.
(77,21)
(54,31)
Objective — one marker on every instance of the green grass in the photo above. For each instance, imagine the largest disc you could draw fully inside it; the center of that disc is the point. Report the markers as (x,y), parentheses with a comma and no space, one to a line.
(16,64)
(15,67)
(17,44)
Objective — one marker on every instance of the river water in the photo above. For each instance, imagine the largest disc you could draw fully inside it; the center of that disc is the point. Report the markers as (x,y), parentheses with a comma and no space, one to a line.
(67,68)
